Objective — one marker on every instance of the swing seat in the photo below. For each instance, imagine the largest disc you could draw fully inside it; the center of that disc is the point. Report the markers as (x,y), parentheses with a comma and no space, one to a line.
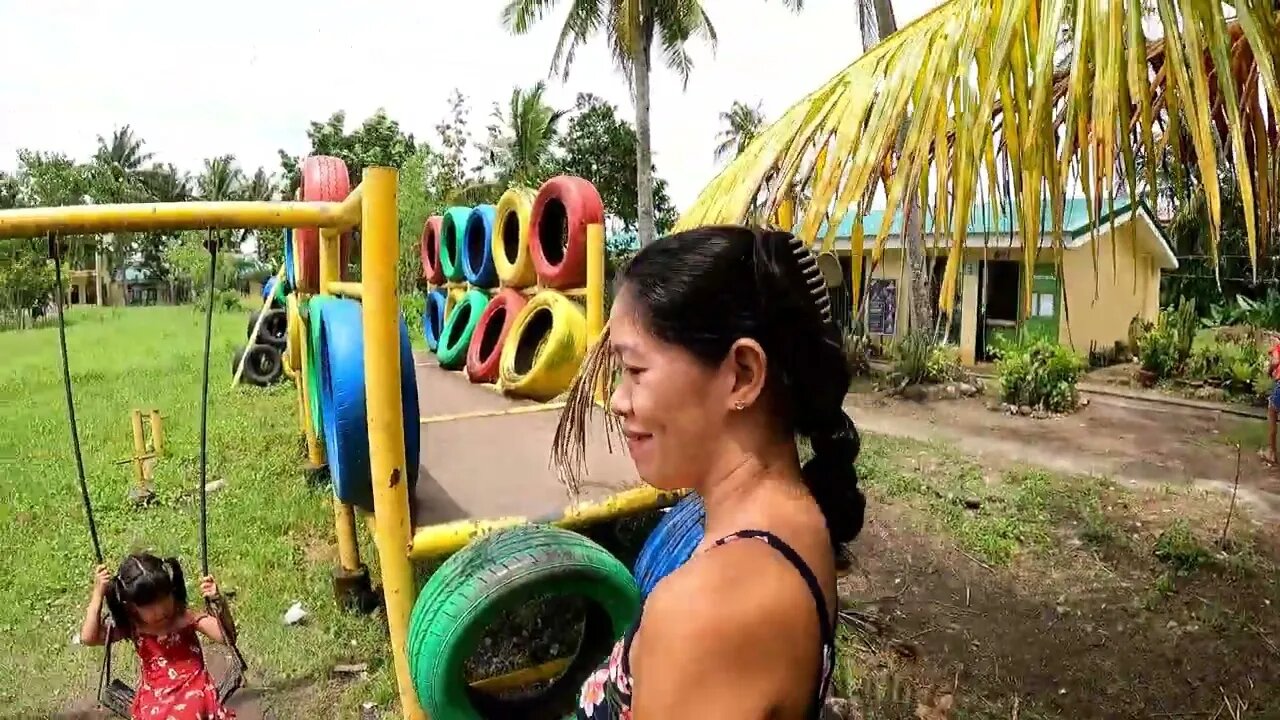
(117,696)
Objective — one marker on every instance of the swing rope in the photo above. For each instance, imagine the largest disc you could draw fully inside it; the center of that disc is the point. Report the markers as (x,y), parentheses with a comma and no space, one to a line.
(113,693)
(55,251)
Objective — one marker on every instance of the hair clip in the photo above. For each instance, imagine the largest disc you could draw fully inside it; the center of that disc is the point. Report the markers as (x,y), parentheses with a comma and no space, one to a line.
(812,275)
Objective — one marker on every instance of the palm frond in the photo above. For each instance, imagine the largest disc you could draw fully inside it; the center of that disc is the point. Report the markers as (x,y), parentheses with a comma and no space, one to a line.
(994,103)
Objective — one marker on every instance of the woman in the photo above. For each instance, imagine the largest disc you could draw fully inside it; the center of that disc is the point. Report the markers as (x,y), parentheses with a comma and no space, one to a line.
(724,351)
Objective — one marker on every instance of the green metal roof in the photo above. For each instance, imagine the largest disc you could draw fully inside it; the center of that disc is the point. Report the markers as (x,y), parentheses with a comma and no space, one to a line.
(1075,220)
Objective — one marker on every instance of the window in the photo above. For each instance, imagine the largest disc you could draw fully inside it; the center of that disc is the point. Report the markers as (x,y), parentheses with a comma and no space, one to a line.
(1042,304)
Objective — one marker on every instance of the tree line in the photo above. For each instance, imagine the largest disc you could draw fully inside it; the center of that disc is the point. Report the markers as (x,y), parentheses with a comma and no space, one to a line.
(524,142)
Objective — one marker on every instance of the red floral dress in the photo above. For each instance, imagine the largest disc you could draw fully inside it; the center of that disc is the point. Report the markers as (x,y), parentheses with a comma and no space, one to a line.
(174,684)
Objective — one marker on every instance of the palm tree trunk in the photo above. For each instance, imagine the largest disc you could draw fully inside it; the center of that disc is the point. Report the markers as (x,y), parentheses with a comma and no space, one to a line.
(645,231)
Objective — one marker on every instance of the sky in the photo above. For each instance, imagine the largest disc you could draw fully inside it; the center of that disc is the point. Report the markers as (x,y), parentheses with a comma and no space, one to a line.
(196,80)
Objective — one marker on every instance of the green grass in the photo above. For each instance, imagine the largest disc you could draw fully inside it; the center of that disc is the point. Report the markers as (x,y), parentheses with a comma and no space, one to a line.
(270,535)
(992,520)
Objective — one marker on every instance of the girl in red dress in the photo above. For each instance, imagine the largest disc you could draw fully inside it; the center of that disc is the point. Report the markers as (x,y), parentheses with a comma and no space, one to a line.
(147,600)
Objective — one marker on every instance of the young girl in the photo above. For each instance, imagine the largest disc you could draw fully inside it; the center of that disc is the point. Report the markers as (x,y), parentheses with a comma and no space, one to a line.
(147,600)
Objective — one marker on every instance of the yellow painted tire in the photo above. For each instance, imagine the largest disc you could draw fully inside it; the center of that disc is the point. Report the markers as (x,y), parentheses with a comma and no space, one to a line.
(293,337)
(511,255)
(454,297)
(545,347)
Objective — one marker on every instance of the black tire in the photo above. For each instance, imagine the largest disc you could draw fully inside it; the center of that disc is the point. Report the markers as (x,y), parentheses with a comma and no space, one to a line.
(263,365)
(275,328)
(504,571)
(235,363)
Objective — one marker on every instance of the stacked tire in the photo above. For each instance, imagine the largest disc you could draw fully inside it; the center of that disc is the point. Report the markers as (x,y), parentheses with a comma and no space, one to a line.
(264,350)
(502,277)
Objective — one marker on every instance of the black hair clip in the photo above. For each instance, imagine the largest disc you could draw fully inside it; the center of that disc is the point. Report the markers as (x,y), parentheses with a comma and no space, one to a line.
(808,263)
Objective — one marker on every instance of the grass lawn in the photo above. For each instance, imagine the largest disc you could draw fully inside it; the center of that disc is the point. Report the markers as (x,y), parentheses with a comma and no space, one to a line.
(270,535)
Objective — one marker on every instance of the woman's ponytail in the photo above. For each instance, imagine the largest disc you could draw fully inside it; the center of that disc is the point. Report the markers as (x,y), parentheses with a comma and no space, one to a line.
(832,477)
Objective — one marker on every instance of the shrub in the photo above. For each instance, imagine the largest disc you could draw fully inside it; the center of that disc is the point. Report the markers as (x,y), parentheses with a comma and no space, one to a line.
(857,353)
(1158,351)
(1230,361)
(917,359)
(228,300)
(1039,373)
(413,305)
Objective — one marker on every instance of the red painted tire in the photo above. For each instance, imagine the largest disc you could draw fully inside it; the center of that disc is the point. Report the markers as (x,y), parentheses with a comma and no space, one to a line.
(324,179)
(565,206)
(430,246)
(485,350)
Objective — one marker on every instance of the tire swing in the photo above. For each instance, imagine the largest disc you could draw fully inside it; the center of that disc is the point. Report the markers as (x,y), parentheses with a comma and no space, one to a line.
(485,350)
(452,226)
(544,348)
(324,179)
(433,317)
(342,386)
(432,273)
(511,234)
(671,543)
(477,247)
(459,326)
(500,572)
(564,208)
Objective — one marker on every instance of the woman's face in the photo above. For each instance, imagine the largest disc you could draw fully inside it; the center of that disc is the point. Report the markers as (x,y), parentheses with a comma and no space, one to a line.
(672,406)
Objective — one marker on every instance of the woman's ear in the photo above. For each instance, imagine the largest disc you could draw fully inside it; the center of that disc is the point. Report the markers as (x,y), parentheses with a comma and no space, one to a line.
(749,366)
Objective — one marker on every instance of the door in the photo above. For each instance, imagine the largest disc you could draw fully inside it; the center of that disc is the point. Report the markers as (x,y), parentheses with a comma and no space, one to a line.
(1046,293)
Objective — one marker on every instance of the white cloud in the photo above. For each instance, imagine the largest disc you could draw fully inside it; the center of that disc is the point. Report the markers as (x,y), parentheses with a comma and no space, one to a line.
(242,77)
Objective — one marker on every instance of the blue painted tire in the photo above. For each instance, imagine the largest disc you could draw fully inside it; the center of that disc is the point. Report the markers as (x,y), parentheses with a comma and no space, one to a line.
(671,543)
(342,385)
(290,275)
(477,247)
(433,318)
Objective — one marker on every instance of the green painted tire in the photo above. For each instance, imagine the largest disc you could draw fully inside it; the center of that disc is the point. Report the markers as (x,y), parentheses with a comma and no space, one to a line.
(500,572)
(461,324)
(453,229)
(315,307)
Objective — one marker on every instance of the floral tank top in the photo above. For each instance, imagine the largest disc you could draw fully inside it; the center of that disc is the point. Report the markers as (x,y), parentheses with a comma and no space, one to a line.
(606,695)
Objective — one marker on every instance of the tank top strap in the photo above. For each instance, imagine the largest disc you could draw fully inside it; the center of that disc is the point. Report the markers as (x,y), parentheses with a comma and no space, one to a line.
(825,625)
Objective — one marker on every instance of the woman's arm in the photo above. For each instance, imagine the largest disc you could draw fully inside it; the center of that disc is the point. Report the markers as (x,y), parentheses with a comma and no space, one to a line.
(707,649)
(92,632)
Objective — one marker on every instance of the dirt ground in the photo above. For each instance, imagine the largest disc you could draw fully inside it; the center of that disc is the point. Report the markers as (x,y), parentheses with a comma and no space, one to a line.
(1130,441)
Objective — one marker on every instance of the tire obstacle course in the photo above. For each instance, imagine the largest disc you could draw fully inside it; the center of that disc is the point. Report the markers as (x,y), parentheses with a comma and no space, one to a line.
(505,283)
(511,278)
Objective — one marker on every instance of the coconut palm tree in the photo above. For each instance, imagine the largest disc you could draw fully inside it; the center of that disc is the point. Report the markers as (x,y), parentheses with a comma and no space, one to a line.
(165,183)
(998,110)
(522,139)
(630,28)
(262,186)
(222,179)
(742,124)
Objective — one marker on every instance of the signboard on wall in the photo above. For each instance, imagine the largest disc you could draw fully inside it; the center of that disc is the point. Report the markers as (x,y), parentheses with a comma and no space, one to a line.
(882,306)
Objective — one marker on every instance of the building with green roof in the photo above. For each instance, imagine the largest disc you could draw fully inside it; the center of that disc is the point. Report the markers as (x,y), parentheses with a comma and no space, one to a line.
(1109,273)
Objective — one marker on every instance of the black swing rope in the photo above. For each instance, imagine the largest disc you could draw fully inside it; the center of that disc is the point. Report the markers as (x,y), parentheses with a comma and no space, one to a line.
(113,693)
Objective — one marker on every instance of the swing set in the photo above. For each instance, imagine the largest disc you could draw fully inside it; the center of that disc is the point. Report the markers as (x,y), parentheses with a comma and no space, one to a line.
(115,694)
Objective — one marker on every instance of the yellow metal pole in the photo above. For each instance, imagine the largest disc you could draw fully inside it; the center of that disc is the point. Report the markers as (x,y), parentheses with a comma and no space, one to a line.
(595,294)
(139,448)
(157,432)
(90,219)
(595,282)
(379,241)
(348,289)
(344,523)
